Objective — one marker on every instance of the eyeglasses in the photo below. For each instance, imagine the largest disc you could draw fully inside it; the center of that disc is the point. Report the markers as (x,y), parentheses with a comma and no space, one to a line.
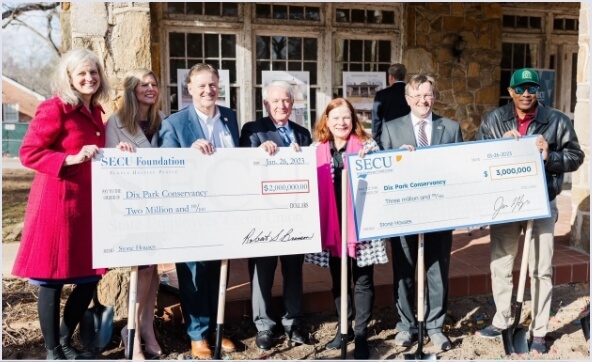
(427,97)
(532,89)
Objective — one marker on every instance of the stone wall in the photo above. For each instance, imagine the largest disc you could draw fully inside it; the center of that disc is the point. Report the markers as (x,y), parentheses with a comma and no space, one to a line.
(118,32)
(580,189)
(468,85)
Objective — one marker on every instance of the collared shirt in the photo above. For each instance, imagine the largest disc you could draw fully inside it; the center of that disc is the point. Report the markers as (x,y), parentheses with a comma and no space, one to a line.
(289,131)
(525,122)
(214,130)
(428,127)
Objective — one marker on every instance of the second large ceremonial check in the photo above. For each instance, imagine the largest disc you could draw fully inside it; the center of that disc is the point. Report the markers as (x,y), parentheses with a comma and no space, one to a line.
(173,205)
(400,192)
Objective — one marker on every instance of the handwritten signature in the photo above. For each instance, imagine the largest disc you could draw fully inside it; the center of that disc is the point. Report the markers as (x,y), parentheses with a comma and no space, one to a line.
(517,204)
(254,237)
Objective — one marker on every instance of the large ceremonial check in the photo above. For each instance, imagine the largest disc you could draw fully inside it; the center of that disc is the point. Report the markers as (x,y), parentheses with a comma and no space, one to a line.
(174,205)
(445,187)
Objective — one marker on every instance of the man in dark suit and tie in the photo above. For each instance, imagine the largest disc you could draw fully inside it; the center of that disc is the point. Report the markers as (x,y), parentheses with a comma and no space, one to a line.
(421,128)
(269,133)
(389,103)
(205,126)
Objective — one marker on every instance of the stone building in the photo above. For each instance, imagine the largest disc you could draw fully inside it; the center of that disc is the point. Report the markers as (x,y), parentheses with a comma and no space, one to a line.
(470,48)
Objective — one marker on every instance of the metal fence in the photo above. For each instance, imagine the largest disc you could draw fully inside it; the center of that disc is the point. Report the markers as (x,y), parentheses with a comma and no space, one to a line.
(12,138)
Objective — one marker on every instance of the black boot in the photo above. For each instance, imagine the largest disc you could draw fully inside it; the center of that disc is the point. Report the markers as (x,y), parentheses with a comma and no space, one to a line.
(56,353)
(336,342)
(69,351)
(361,351)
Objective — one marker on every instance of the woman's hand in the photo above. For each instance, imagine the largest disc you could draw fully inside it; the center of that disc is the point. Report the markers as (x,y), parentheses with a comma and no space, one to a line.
(203,146)
(86,153)
(270,147)
(125,146)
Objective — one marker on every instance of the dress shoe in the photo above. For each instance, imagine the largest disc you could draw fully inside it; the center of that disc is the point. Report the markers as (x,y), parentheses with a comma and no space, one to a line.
(201,350)
(440,340)
(336,342)
(297,336)
(226,344)
(405,339)
(361,351)
(72,353)
(490,331)
(264,339)
(55,354)
(538,345)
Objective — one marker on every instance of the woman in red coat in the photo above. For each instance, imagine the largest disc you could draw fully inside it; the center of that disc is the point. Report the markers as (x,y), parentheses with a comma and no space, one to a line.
(56,246)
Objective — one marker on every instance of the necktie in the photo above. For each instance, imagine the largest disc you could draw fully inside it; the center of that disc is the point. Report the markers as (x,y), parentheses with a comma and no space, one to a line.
(422,137)
(284,133)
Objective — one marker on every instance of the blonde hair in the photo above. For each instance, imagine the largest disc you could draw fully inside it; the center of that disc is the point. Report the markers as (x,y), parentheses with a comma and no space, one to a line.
(62,83)
(128,110)
(200,67)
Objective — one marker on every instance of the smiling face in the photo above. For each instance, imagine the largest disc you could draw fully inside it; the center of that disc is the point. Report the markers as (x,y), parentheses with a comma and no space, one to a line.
(340,122)
(203,87)
(278,105)
(525,102)
(147,91)
(85,79)
(421,100)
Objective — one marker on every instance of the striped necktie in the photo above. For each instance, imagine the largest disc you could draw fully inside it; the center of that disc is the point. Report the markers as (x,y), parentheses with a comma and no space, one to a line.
(284,133)
(422,137)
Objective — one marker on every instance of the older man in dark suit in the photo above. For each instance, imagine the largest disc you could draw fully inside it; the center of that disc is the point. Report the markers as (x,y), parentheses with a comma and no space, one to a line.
(389,103)
(421,128)
(269,133)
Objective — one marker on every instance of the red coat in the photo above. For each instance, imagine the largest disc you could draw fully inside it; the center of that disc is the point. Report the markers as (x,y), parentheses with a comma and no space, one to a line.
(57,235)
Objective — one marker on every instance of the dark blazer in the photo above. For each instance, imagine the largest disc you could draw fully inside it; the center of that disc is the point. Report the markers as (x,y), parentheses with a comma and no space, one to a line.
(256,132)
(389,104)
(400,132)
(181,129)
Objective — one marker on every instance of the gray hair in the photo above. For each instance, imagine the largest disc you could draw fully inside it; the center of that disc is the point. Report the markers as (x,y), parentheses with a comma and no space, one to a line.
(280,84)
(398,71)
(62,85)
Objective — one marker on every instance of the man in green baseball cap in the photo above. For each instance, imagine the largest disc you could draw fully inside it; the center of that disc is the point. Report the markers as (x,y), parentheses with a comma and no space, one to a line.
(558,143)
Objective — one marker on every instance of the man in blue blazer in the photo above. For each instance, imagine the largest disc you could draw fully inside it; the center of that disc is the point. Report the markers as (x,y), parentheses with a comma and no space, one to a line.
(269,133)
(205,126)
(421,128)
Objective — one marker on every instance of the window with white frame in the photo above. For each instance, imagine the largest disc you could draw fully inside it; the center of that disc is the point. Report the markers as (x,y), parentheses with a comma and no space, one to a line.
(10,112)
(287,53)
(187,49)
(515,56)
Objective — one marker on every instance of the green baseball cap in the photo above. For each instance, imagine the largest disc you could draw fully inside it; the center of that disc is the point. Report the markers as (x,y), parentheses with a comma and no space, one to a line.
(524,75)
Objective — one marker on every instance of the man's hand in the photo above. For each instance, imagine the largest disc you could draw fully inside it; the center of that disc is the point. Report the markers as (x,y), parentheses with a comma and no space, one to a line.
(543,146)
(270,147)
(408,147)
(203,146)
(512,133)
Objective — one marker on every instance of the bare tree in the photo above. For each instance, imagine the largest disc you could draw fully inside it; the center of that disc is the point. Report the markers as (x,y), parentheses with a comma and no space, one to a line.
(14,15)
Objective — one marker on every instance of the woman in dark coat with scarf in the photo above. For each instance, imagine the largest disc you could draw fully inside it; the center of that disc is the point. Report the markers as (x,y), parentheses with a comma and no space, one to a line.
(56,247)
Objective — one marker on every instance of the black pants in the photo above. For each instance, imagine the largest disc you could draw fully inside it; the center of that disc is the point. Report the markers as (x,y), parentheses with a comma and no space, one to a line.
(48,308)
(363,279)
(437,246)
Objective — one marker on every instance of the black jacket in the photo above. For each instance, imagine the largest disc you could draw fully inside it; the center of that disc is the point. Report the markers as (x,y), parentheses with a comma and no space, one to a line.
(254,133)
(565,154)
(389,104)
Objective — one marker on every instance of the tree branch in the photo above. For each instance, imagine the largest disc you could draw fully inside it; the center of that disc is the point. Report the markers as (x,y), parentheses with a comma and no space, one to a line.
(23,8)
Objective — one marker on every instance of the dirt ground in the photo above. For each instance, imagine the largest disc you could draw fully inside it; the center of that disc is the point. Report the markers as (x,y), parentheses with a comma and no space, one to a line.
(22,339)
(21,336)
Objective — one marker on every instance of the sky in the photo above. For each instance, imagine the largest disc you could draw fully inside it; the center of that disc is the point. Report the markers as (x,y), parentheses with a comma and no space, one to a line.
(25,46)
